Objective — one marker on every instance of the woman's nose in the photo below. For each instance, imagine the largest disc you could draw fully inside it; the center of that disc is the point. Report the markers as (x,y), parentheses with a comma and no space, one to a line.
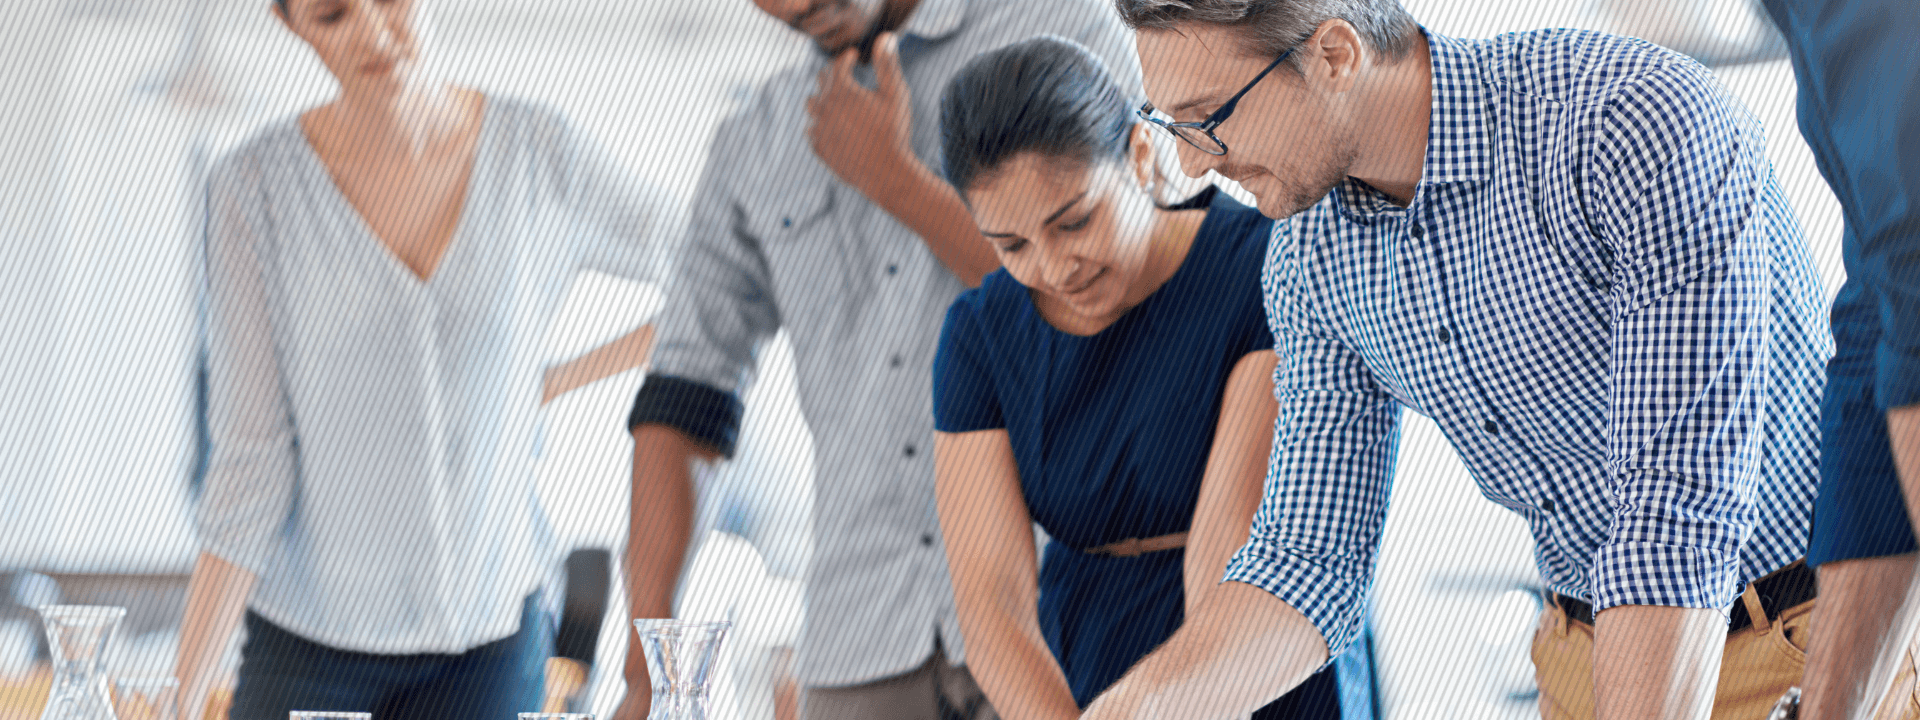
(376,29)
(1059,266)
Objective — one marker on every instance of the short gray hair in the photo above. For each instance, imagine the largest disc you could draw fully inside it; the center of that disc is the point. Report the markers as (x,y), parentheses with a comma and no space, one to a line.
(1270,27)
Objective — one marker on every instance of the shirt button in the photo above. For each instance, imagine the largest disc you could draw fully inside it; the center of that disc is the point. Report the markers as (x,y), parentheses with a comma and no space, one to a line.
(895,361)
(911,451)
(1445,335)
(893,269)
(1492,427)
(786,222)
(927,539)
(1546,506)
(1417,232)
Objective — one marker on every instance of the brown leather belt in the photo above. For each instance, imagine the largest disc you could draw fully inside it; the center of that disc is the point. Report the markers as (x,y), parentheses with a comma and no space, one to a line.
(1132,547)
(1779,592)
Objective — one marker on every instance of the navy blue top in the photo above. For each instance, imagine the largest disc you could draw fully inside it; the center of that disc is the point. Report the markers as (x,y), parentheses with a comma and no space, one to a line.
(1858,68)
(1111,431)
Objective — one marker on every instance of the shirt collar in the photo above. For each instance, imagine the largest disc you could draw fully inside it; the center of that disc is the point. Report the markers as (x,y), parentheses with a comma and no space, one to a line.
(1458,149)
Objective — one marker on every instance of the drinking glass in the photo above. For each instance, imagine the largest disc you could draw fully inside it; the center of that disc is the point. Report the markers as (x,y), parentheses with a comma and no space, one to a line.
(77,638)
(680,660)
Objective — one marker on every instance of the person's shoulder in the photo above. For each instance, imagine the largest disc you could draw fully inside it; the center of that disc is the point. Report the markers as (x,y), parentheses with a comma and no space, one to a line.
(1569,66)
(544,126)
(1038,18)
(267,148)
(995,294)
(992,307)
(1235,233)
(766,118)
(1092,23)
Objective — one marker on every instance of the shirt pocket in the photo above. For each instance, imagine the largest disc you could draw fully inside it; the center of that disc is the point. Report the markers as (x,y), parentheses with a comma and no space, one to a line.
(787,197)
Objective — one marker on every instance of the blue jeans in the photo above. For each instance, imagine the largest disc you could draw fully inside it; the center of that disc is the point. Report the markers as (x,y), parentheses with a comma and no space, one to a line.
(282,672)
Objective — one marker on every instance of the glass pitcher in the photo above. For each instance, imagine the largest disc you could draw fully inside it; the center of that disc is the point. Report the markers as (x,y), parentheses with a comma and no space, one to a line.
(680,660)
(77,637)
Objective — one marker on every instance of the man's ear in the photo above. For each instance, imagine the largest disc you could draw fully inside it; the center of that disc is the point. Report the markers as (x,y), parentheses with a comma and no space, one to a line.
(1337,54)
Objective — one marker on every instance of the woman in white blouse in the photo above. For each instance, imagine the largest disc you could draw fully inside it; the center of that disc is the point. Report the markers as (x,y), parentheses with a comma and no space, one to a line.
(381,270)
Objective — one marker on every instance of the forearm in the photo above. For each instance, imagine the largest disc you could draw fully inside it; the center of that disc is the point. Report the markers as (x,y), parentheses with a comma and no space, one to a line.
(660,527)
(1656,662)
(1850,660)
(1009,657)
(1903,434)
(1207,556)
(926,204)
(216,598)
(626,353)
(1241,649)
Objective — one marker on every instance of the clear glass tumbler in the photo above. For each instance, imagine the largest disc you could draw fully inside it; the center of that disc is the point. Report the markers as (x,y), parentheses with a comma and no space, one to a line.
(146,698)
(77,637)
(680,660)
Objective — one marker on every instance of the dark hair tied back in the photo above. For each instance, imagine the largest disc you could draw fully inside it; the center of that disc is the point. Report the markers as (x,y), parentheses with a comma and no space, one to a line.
(1047,95)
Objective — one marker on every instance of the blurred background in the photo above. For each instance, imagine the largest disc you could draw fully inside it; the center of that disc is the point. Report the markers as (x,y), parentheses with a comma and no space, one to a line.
(115,108)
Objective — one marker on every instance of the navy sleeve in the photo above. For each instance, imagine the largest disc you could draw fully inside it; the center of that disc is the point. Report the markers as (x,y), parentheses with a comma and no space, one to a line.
(703,412)
(1251,331)
(963,396)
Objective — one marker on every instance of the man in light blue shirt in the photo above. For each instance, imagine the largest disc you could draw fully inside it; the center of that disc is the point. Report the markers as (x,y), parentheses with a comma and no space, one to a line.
(818,213)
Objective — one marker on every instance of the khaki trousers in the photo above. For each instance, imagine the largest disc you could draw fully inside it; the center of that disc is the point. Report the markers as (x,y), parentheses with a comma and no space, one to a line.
(1759,664)
(938,690)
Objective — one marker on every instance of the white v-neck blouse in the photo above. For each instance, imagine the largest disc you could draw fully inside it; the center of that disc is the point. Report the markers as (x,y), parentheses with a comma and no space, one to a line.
(373,432)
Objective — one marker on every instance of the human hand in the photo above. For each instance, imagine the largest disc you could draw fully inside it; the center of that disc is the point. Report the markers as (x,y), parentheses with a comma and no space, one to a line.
(864,135)
(638,703)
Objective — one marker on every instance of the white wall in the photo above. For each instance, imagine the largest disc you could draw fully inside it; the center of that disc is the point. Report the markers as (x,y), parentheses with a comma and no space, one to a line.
(32,50)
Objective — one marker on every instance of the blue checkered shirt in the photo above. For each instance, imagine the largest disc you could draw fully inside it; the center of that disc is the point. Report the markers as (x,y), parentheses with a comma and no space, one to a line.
(1600,295)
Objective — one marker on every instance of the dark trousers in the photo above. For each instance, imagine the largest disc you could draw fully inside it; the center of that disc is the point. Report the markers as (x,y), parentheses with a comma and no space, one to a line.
(281,672)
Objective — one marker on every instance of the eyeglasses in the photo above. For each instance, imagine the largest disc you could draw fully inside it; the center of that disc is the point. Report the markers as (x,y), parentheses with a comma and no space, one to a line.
(1200,134)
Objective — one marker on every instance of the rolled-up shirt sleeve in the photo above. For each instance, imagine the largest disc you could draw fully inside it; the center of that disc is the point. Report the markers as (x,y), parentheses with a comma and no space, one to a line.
(1316,536)
(1676,179)
(719,310)
(250,481)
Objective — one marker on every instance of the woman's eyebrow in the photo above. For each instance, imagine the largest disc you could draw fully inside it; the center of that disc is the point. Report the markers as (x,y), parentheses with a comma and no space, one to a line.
(1050,218)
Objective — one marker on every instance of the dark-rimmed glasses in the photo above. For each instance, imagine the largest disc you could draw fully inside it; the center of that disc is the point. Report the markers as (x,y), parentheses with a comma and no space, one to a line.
(1200,134)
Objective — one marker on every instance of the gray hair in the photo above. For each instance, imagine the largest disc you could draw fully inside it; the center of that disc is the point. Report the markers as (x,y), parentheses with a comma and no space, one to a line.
(1270,27)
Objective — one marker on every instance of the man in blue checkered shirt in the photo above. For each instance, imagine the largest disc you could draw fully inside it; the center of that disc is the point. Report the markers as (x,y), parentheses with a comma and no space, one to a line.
(1569,250)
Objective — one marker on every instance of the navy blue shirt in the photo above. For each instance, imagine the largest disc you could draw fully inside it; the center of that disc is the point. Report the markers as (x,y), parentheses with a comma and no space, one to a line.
(1110,431)
(1858,67)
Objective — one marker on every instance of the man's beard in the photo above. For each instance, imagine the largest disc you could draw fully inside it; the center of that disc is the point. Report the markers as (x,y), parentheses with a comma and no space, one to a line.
(869,36)
(1303,188)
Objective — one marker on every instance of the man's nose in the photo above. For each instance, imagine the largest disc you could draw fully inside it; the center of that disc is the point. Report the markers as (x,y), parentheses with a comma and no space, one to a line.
(1194,161)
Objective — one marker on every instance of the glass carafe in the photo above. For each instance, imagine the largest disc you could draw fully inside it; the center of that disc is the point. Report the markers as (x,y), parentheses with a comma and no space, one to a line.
(680,660)
(77,637)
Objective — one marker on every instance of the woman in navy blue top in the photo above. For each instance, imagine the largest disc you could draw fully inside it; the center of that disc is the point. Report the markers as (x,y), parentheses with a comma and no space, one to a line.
(1112,383)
